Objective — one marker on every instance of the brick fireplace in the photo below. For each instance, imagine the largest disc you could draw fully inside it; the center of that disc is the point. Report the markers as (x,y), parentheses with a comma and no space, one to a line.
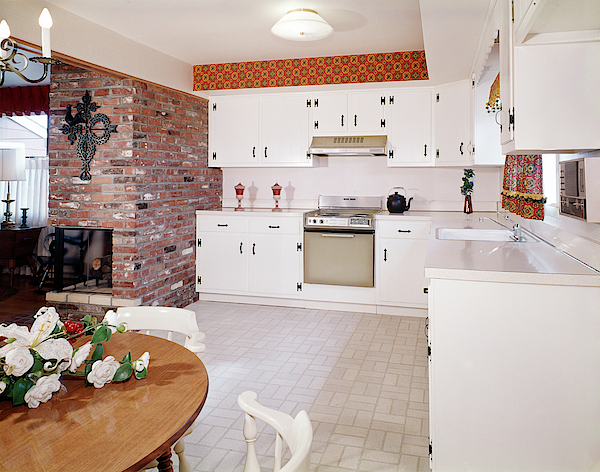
(147,182)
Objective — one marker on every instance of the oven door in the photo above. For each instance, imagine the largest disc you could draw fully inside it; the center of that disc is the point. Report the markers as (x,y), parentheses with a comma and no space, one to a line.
(339,258)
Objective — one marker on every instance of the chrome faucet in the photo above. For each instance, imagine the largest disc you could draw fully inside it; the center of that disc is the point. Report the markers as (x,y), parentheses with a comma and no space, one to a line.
(517,234)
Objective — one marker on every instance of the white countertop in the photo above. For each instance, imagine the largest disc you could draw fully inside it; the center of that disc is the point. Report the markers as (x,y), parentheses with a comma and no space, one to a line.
(510,262)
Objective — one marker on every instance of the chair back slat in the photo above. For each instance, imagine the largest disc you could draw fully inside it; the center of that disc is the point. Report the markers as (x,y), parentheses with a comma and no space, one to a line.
(296,432)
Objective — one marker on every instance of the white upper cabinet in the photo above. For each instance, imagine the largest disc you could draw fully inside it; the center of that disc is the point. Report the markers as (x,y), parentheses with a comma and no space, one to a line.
(488,150)
(453,135)
(329,114)
(233,131)
(549,84)
(284,130)
(258,130)
(367,113)
(409,130)
(355,113)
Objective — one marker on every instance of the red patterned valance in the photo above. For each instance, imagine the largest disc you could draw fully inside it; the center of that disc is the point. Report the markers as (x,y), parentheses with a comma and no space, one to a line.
(25,100)
(362,68)
(522,188)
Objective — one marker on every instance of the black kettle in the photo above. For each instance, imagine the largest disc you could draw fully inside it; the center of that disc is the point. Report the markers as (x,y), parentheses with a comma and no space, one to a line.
(397,203)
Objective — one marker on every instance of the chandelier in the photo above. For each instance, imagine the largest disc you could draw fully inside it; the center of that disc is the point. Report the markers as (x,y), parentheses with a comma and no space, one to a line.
(11,60)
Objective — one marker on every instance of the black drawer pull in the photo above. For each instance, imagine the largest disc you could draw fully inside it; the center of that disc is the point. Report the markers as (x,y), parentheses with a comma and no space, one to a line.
(404,231)
(273,227)
(222,226)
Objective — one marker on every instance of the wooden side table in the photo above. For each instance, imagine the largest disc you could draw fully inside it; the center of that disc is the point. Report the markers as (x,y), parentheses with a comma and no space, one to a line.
(17,246)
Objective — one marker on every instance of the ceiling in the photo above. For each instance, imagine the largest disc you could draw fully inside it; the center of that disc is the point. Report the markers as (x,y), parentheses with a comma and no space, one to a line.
(160,40)
(214,31)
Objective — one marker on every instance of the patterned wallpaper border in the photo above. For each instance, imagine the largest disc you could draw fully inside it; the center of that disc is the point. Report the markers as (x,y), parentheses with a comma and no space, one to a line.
(355,69)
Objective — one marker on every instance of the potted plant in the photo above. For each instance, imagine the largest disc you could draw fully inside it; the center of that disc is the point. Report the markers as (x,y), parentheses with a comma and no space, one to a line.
(467,189)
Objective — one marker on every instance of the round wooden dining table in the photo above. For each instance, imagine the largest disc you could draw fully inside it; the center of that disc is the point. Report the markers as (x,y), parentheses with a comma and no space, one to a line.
(120,427)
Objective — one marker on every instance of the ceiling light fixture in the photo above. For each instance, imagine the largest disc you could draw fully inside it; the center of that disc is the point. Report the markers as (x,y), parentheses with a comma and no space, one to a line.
(302,25)
(11,60)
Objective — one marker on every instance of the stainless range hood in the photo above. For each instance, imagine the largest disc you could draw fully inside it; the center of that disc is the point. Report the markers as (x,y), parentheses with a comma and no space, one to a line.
(348,146)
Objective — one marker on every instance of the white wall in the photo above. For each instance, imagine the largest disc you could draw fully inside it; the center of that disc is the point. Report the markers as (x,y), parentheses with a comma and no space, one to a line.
(432,188)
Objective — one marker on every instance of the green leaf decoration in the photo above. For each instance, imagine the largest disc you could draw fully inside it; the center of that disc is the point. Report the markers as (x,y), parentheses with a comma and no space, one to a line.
(123,373)
(20,389)
(37,365)
(142,374)
(101,335)
(98,352)
(126,358)
(87,370)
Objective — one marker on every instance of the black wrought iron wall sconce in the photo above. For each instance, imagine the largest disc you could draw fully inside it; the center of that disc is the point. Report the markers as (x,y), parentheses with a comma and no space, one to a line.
(82,128)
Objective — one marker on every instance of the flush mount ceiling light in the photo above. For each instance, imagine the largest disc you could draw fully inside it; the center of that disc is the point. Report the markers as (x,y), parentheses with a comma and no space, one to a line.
(302,25)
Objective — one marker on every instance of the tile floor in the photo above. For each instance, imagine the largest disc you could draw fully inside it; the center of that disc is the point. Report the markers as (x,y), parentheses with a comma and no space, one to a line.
(361,377)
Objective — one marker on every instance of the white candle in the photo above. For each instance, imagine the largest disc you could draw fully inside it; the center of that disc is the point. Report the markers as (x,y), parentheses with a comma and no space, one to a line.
(4,33)
(46,23)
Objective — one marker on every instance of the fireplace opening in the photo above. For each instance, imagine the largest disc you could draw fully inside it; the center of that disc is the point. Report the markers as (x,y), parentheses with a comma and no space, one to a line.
(83,260)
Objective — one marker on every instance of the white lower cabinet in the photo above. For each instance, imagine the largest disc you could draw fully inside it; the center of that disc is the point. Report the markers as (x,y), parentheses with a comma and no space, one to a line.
(514,375)
(221,253)
(275,256)
(401,251)
(244,255)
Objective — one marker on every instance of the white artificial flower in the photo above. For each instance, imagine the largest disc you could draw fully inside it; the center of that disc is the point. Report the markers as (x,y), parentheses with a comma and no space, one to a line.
(142,362)
(111,318)
(38,338)
(18,361)
(42,391)
(2,386)
(80,355)
(103,371)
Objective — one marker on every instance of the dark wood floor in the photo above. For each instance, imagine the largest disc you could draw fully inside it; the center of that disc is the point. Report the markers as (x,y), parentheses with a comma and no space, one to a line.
(28,298)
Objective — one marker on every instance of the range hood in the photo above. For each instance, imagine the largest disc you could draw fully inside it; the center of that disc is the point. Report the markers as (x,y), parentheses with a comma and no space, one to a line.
(348,146)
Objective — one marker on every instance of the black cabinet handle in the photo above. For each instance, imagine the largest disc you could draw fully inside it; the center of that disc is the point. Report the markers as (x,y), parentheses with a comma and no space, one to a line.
(385,254)
(265,151)
(241,244)
(354,121)
(461,150)
(253,246)
(273,227)
(425,150)
(342,120)
(222,226)
(316,124)
(404,231)
(254,151)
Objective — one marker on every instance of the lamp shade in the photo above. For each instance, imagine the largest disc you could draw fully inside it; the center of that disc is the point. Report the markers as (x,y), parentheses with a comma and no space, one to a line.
(302,25)
(12,161)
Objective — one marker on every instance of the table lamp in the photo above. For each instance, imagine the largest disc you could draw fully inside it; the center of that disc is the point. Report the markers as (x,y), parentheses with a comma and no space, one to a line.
(12,167)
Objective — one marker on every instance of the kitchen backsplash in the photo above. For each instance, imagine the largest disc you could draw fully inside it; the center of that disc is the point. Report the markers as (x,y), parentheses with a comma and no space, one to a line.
(432,188)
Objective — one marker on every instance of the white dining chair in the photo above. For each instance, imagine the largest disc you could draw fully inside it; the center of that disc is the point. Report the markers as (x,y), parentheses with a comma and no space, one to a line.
(150,319)
(296,432)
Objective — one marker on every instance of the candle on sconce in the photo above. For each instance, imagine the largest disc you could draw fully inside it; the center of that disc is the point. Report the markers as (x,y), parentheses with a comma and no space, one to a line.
(45,22)
(4,34)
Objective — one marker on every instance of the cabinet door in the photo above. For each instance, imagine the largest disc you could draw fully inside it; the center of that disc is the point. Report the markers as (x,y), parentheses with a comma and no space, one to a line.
(409,118)
(506,72)
(221,262)
(329,114)
(233,132)
(401,271)
(275,256)
(540,74)
(366,113)
(284,129)
(488,150)
(452,118)
(274,264)
(402,248)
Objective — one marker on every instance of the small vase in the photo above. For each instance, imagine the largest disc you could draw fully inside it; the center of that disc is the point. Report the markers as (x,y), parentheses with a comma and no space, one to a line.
(468,204)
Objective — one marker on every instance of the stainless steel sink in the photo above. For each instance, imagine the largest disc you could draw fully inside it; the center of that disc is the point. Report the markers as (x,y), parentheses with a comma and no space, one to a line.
(477,234)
